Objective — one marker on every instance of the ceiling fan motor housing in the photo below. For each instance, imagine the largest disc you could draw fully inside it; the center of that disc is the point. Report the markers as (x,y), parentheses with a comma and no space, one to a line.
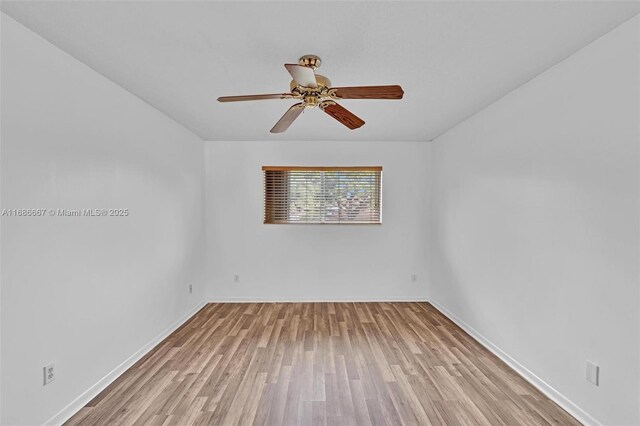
(312,96)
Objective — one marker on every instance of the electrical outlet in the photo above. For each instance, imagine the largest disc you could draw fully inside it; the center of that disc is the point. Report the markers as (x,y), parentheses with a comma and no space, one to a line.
(236,278)
(414,278)
(49,373)
(190,288)
(593,373)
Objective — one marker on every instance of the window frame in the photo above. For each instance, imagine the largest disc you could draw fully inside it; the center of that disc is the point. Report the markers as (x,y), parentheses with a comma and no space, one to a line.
(265,169)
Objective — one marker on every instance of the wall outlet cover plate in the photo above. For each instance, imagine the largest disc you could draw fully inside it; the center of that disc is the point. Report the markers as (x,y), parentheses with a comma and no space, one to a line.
(49,373)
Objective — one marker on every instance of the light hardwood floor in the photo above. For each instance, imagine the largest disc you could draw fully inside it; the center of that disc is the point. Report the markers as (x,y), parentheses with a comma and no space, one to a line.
(320,363)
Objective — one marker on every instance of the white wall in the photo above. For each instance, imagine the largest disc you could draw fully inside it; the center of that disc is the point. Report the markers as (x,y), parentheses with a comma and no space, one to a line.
(314,262)
(87,292)
(535,233)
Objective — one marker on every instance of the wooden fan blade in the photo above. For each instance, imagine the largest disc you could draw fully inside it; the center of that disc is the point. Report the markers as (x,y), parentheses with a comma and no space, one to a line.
(288,118)
(344,116)
(251,97)
(369,92)
(304,76)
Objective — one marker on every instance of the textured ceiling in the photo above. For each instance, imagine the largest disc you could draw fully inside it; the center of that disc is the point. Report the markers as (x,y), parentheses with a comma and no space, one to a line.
(452,58)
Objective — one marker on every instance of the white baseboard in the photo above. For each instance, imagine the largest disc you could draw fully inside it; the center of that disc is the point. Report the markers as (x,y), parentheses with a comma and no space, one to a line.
(84,398)
(319,300)
(564,402)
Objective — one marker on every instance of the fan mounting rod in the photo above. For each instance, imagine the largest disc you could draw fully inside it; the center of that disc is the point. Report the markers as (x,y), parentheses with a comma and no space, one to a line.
(310,61)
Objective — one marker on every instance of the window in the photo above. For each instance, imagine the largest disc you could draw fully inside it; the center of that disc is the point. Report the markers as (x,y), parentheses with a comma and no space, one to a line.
(326,195)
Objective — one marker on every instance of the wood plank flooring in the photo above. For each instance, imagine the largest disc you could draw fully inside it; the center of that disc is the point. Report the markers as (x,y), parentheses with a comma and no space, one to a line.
(320,364)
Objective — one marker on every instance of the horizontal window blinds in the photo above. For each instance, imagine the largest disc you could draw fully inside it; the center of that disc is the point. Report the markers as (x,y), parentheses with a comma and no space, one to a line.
(325,195)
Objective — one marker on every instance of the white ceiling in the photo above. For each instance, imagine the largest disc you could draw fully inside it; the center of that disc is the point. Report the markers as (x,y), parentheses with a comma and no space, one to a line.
(451,58)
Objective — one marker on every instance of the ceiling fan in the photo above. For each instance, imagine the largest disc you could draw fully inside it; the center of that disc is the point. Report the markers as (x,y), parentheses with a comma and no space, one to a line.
(314,90)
